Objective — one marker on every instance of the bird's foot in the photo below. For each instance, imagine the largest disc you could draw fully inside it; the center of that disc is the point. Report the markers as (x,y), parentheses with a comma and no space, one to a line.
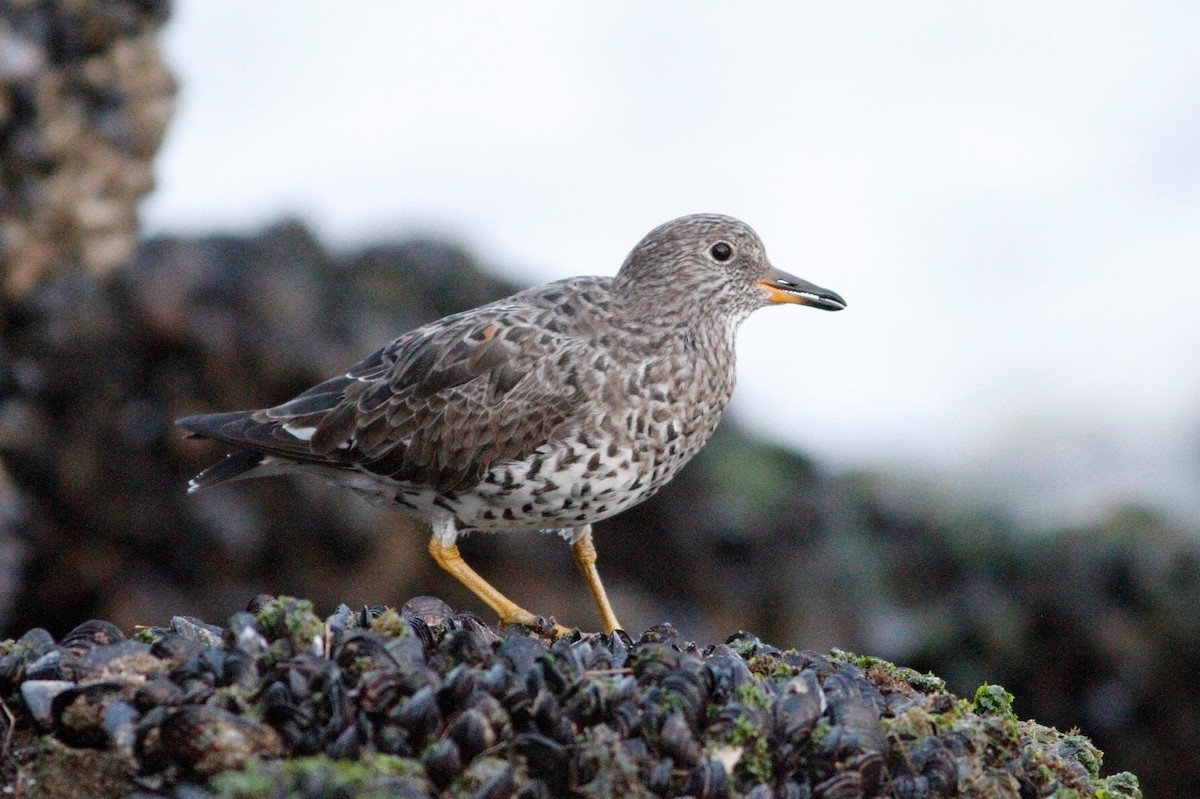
(539,624)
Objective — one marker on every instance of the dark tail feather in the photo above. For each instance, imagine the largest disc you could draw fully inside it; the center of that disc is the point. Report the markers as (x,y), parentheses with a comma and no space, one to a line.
(226,427)
(232,467)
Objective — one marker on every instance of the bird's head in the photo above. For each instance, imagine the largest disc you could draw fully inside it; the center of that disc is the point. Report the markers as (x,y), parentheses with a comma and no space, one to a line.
(712,263)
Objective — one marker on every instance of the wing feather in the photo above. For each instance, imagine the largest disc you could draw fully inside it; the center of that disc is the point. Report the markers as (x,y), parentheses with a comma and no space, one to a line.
(438,406)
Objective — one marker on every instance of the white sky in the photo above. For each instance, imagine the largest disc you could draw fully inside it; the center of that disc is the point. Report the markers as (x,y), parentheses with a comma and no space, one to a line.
(1006,193)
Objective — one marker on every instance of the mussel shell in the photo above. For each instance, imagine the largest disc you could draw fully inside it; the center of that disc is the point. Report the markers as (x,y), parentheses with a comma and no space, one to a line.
(677,741)
(473,733)
(911,786)
(238,668)
(870,768)
(843,785)
(658,779)
(79,714)
(493,711)
(91,634)
(429,609)
(548,759)
(659,634)
(347,745)
(48,666)
(625,718)
(425,634)
(442,762)
(708,780)
(39,696)
(497,680)
(585,704)
(259,603)
(793,789)
(932,759)
(124,657)
(652,661)
(409,649)
(856,707)
(496,779)
(692,689)
(467,644)
(456,687)
(419,714)
(729,670)
(520,651)
(37,641)
(391,739)
(206,740)
(341,621)
(362,651)
(380,691)
(194,629)
(157,691)
(177,648)
(798,708)
(244,633)
(12,671)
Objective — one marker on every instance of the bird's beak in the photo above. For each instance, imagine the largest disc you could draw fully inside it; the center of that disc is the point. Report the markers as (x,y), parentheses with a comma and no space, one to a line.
(784,288)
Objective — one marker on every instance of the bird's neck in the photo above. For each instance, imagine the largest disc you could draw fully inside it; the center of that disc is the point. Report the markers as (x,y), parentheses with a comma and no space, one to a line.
(695,334)
(667,316)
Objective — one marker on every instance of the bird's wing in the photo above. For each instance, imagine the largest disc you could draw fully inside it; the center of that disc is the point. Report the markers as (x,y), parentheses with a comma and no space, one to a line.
(438,406)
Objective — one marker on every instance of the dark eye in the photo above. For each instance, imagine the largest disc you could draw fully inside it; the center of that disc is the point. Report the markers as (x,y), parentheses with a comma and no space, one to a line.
(722,251)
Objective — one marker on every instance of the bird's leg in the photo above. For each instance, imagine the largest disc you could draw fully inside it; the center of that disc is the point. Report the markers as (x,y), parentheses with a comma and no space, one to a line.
(585,558)
(448,557)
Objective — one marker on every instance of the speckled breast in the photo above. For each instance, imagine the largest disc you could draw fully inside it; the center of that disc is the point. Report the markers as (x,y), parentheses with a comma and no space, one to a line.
(622,458)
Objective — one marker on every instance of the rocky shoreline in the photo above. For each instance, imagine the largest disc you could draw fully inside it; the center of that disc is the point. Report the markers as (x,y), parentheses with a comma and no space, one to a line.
(425,702)
(105,338)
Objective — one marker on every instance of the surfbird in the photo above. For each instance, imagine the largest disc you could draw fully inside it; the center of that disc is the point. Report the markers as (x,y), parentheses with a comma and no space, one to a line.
(553,409)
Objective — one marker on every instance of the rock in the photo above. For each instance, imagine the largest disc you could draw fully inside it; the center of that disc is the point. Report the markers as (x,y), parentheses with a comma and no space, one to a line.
(85,97)
(461,707)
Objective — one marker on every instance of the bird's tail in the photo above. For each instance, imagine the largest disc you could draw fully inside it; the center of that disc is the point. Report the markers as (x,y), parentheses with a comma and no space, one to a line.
(234,466)
(226,428)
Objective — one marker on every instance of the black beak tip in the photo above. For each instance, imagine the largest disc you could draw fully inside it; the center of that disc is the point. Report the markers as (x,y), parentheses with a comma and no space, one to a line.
(831,301)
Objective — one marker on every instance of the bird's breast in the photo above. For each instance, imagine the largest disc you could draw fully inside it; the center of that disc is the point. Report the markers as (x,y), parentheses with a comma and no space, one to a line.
(643,422)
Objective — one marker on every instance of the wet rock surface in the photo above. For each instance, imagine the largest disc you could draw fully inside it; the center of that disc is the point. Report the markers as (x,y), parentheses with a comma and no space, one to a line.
(424,702)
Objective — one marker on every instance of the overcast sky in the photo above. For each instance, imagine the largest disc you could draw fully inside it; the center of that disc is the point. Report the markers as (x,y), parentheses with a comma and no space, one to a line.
(1007,194)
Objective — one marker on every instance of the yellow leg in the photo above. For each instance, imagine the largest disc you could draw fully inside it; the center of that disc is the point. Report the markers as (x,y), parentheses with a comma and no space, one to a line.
(448,557)
(585,558)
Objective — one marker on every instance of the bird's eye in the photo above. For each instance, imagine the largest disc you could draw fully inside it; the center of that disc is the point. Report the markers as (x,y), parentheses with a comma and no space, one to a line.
(722,251)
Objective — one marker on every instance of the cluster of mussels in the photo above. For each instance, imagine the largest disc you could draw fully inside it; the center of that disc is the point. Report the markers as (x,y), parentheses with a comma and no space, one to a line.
(426,702)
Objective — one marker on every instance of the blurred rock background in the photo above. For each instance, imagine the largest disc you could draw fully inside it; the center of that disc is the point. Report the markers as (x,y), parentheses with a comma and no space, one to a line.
(106,339)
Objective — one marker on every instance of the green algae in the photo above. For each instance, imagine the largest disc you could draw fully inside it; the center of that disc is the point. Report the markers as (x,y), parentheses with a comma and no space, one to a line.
(927,683)
(291,620)
(372,775)
(1120,786)
(390,624)
(756,749)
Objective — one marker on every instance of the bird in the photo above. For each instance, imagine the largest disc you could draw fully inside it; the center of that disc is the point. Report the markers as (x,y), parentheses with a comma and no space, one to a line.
(550,410)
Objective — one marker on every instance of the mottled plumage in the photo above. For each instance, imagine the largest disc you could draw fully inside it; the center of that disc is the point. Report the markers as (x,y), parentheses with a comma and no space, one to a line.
(551,409)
